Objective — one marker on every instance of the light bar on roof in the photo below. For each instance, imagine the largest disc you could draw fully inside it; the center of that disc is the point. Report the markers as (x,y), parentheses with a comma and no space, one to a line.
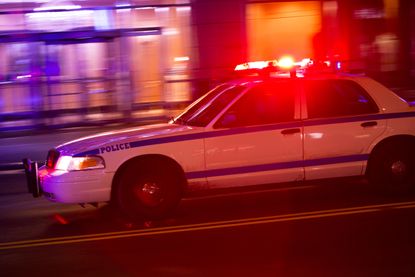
(255,65)
(287,64)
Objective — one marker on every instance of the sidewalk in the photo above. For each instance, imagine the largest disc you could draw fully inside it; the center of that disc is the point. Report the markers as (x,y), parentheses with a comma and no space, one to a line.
(18,122)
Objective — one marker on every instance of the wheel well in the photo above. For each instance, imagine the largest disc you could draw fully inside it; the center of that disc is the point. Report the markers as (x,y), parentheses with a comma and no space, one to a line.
(399,141)
(154,159)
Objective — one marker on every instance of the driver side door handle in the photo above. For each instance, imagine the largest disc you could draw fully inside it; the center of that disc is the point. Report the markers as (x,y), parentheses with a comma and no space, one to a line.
(369,124)
(290,131)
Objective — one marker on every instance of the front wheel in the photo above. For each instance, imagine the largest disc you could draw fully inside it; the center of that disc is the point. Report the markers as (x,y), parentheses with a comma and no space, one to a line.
(393,167)
(148,190)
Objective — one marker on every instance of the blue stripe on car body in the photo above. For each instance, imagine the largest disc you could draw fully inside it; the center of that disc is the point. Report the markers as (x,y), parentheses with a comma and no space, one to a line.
(315,122)
(275,166)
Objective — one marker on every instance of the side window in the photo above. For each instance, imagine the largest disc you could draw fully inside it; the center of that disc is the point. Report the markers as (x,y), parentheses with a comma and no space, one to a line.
(215,106)
(332,98)
(263,104)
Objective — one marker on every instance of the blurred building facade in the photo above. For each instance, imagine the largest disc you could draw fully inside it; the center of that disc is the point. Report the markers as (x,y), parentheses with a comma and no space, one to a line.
(373,36)
(68,63)
(111,60)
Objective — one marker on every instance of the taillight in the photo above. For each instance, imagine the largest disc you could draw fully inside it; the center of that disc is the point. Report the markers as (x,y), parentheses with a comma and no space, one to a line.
(52,158)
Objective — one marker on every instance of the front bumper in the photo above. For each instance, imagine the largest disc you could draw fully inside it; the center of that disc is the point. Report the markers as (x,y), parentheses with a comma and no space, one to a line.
(88,186)
(32,177)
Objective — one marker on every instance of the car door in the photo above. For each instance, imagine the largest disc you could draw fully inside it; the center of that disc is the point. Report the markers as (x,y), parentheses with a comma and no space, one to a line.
(259,138)
(338,129)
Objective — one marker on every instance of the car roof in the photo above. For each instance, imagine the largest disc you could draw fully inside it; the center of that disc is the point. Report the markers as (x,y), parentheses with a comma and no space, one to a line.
(259,78)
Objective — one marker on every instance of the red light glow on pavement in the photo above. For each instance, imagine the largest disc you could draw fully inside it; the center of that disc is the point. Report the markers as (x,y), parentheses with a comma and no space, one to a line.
(59,218)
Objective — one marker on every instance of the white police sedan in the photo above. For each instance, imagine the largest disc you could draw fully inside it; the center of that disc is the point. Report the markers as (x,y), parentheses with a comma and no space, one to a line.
(256,130)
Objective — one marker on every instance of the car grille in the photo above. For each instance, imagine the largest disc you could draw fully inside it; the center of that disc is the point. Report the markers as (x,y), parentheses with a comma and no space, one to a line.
(52,158)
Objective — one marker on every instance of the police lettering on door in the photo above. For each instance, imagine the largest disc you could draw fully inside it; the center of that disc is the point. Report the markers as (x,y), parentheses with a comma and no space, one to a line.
(115,147)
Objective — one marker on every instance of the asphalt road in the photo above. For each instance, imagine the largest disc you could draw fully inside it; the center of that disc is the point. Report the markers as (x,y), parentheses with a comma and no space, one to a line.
(337,228)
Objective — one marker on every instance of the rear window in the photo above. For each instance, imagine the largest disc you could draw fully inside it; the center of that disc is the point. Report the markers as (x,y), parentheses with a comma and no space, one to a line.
(333,98)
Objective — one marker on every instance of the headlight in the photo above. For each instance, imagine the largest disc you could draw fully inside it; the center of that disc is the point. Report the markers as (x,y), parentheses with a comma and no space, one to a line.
(79,163)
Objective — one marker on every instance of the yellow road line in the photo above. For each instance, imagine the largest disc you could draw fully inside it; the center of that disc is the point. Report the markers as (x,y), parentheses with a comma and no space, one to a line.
(205,226)
(227,195)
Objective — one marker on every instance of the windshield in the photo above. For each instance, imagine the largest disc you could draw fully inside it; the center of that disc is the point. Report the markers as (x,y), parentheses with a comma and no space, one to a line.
(204,110)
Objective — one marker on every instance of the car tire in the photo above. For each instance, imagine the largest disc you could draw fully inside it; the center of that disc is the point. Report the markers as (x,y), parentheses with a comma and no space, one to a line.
(148,190)
(392,167)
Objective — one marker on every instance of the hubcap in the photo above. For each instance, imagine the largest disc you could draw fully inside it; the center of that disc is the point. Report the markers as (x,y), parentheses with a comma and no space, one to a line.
(150,194)
(398,168)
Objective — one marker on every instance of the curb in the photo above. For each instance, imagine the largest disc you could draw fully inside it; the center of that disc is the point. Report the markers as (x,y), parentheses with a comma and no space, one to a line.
(11,166)
(15,166)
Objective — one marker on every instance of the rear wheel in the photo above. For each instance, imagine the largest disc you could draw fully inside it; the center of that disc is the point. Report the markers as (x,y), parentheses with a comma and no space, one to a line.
(393,167)
(149,190)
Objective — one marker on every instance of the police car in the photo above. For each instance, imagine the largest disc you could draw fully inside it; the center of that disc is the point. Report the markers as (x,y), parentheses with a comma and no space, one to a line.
(254,130)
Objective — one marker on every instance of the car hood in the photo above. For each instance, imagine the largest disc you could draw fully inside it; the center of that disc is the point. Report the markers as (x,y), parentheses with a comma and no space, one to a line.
(90,145)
